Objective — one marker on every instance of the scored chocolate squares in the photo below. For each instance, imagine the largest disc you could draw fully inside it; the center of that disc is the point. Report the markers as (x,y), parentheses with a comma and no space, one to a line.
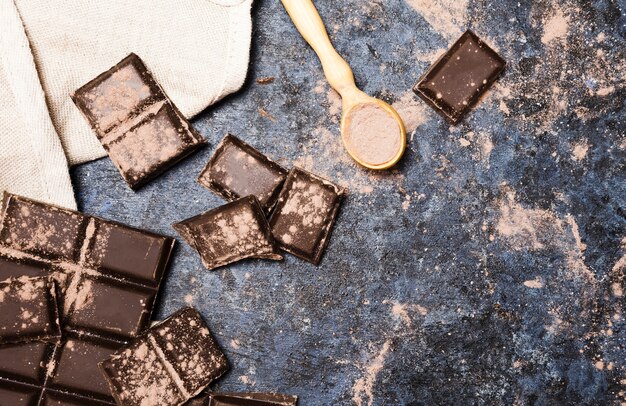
(456,81)
(29,310)
(138,125)
(230,233)
(169,364)
(237,170)
(107,275)
(305,213)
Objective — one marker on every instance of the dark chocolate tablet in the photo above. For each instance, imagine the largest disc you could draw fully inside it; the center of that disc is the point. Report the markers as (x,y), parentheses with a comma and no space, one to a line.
(456,81)
(29,310)
(230,233)
(173,361)
(108,276)
(139,126)
(237,170)
(305,214)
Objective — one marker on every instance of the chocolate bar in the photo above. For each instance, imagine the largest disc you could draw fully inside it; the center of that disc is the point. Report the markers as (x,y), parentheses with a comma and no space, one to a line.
(305,214)
(244,399)
(230,233)
(237,170)
(108,276)
(138,125)
(29,310)
(456,81)
(171,362)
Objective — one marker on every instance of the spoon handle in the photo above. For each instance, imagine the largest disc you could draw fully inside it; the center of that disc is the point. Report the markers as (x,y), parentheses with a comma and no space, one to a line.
(308,21)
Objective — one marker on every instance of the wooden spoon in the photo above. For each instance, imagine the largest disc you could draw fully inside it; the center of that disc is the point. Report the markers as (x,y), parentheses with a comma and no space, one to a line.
(371,149)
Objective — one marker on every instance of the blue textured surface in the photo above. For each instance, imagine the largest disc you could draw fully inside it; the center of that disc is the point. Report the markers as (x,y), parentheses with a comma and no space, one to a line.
(488,268)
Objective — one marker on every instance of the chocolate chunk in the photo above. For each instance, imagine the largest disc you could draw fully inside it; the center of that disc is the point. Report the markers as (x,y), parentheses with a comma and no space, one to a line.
(456,81)
(141,129)
(230,233)
(39,229)
(251,399)
(77,369)
(130,253)
(305,214)
(169,364)
(14,394)
(108,277)
(237,170)
(23,362)
(29,310)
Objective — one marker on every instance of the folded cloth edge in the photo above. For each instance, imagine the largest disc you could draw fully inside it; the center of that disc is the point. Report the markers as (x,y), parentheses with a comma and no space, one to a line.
(18,61)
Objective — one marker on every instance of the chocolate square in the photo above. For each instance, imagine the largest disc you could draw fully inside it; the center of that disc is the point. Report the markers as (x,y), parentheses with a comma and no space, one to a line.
(305,213)
(36,228)
(237,170)
(22,362)
(130,253)
(190,348)
(29,310)
(141,129)
(230,233)
(106,306)
(13,267)
(14,394)
(76,369)
(172,361)
(456,81)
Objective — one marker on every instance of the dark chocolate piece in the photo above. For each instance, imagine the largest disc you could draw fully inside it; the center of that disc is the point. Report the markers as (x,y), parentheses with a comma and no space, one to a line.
(29,310)
(230,233)
(139,126)
(108,276)
(237,170)
(305,214)
(456,81)
(170,363)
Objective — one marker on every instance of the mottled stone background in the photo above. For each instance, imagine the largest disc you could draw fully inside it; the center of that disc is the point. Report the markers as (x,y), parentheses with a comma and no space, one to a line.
(487,268)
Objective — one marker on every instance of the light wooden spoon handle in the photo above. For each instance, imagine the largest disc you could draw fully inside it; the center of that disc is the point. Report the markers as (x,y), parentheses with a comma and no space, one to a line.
(308,21)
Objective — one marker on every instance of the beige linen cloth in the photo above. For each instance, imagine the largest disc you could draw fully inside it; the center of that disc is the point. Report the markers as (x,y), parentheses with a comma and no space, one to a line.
(198,50)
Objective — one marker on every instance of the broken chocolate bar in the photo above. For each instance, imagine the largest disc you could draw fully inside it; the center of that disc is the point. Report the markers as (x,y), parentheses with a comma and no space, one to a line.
(456,81)
(169,364)
(107,275)
(244,399)
(138,125)
(305,214)
(237,170)
(29,310)
(230,233)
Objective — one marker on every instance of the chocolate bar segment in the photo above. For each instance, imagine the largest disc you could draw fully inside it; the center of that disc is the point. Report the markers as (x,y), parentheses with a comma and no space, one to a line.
(305,213)
(141,129)
(230,233)
(77,369)
(457,80)
(168,364)
(237,170)
(14,394)
(107,287)
(50,232)
(23,362)
(29,310)
(103,305)
(127,252)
